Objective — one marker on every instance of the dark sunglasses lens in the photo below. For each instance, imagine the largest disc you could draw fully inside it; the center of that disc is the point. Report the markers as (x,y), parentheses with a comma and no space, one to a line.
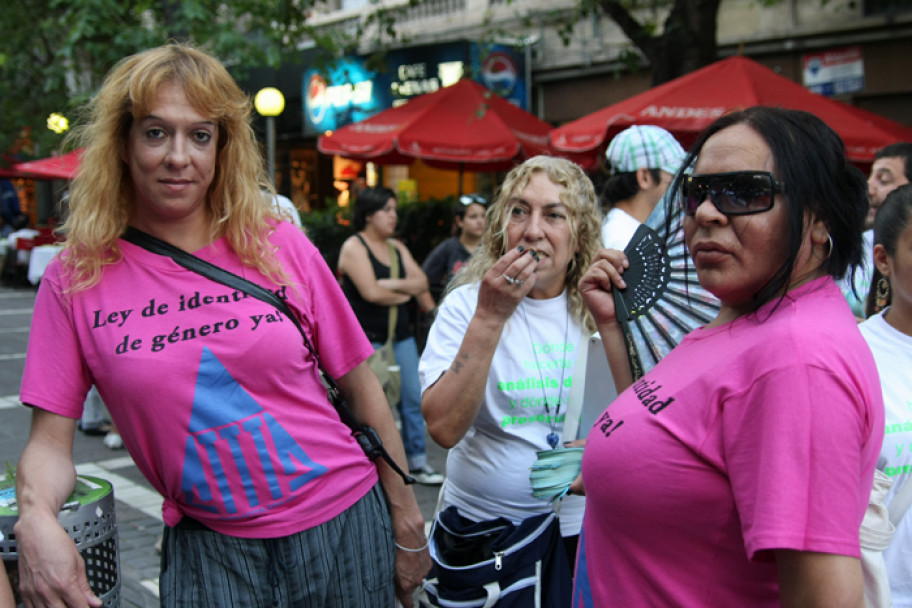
(744,194)
(731,194)
(692,194)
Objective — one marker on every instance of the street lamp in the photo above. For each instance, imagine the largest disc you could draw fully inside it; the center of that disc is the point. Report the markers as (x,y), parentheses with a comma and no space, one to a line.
(269,102)
(57,123)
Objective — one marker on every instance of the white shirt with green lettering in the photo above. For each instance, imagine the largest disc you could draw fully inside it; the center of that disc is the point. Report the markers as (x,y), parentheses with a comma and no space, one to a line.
(892,351)
(525,400)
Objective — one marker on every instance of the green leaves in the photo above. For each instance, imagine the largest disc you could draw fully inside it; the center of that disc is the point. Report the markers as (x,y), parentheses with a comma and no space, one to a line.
(54,54)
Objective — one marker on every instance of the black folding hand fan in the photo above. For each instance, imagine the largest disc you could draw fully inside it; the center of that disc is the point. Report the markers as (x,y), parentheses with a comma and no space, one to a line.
(663,300)
(646,278)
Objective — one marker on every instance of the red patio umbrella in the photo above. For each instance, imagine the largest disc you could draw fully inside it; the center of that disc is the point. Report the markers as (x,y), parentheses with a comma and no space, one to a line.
(463,126)
(686,105)
(9,173)
(64,166)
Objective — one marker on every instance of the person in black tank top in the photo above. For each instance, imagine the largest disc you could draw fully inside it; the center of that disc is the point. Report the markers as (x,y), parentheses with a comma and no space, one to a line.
(364,263)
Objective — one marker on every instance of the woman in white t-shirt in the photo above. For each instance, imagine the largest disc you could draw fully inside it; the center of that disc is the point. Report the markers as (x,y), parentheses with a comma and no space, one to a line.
(498,365)
(888,332)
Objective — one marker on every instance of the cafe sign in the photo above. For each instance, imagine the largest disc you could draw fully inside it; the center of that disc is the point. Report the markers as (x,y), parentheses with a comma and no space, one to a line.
(349,92)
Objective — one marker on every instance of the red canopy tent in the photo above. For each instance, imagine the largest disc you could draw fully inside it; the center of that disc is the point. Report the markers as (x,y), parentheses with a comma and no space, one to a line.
(64,166)
(463,126)
(686,105)
(9,173)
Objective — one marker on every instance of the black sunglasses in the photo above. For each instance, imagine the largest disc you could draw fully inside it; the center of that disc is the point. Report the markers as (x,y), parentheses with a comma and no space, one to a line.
(473,199)
(733,193)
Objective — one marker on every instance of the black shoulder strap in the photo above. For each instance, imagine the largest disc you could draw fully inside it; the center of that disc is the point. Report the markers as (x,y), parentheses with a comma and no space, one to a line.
(367,437)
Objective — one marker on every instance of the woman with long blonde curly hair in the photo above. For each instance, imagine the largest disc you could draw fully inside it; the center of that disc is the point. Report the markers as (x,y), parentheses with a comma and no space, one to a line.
(497,370)
(214,393)
(102,196)
(581,202)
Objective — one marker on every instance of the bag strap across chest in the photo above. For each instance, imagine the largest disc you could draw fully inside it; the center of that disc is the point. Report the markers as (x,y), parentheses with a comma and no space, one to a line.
(366,436)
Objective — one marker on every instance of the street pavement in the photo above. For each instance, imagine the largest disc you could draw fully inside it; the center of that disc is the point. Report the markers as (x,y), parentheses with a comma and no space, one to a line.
(139,521)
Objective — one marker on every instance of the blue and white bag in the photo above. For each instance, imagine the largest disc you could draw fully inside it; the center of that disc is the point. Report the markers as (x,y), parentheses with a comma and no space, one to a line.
(494,562)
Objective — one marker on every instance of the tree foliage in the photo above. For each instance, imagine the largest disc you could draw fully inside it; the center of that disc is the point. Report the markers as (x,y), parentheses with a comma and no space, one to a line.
(54,53)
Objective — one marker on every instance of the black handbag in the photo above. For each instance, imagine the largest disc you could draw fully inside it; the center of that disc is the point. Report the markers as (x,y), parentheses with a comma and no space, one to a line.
(366,436)
(496,562)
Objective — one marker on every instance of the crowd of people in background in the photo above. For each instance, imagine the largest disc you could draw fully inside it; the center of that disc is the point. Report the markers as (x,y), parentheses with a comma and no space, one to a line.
(736,472)
(366,263)
(891,168)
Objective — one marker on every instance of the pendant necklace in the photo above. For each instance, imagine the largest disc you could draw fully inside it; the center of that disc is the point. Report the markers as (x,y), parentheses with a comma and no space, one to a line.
(553,438)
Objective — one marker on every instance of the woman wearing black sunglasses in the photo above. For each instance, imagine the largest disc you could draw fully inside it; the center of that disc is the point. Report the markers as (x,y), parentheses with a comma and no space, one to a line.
(738,470)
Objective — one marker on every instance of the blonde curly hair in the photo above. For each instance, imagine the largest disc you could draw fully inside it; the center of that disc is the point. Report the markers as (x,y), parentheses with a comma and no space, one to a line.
(102,194)
(584,221)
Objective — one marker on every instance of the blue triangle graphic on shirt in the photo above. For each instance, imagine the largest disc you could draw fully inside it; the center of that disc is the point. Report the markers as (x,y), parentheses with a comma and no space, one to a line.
(223,412)
(219,399)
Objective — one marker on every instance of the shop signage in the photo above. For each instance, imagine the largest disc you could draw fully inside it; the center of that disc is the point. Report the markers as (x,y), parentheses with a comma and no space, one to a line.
(498,73)
(834,72)
(350,92)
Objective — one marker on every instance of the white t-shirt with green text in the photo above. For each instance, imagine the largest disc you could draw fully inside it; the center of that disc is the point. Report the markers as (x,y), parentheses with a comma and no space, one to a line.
(488,470)
(892,351)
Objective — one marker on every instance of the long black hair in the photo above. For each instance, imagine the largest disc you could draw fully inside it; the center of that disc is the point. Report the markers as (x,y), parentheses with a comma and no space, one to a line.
(809,158)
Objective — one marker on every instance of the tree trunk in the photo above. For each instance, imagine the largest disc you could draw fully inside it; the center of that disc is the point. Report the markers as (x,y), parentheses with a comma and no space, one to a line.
(687,41)
(169,12)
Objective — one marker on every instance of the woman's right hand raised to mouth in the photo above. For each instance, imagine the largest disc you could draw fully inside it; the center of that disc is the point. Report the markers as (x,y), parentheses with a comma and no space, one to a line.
(507,282)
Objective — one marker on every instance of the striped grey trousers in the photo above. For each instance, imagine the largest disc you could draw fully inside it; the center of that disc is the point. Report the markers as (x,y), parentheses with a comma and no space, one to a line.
(347,562)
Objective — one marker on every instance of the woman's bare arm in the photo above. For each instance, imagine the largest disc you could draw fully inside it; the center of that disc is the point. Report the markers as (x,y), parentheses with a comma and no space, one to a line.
(819,580)
(51,571)
(354,262)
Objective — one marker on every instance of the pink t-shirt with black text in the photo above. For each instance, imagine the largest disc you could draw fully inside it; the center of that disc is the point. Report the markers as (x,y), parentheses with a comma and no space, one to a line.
(213,392)
(745,438)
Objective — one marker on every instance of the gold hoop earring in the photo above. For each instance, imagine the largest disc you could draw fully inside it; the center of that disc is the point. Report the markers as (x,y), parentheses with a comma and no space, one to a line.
(881,294)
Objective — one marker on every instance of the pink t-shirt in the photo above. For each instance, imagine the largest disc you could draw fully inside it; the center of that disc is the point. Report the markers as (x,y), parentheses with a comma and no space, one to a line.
(754,436)
(215,396)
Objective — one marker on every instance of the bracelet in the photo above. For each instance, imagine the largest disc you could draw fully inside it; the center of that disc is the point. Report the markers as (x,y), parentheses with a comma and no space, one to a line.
(418,550)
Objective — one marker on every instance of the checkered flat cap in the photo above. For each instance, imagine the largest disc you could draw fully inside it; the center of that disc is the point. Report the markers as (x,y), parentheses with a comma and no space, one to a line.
(644,147)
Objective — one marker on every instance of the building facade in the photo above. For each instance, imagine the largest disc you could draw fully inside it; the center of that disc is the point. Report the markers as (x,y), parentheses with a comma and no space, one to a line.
(852,50)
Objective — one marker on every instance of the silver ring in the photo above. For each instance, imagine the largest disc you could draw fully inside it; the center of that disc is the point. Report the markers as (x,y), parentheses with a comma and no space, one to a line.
(511,280)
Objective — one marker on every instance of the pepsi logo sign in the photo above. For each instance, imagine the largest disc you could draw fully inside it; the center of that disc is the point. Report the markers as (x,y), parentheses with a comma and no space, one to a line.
(315,99)
(498,73)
